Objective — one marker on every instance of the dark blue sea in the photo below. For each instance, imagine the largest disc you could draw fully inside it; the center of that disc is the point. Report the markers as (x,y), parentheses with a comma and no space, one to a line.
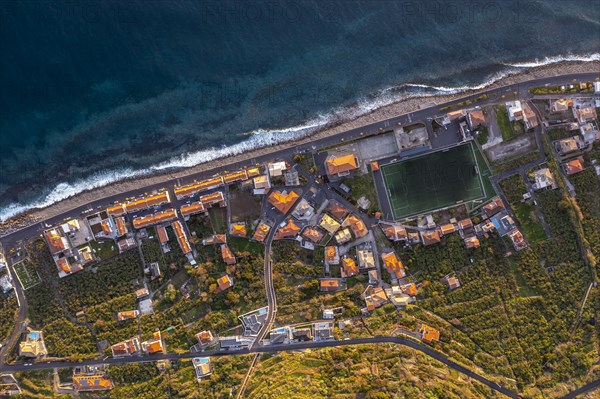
(96,91)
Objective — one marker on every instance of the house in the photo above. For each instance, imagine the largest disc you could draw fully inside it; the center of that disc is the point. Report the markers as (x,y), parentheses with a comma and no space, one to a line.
(427,333)
(202,367)
(573,166)
(349,267)
(331,255)
(475,119)
(181,236)
(472,242)
(332,284)
(328,314)
(568,145)
(589,133)
(209,200)
(282,335)
(33,345)
(283,200)
(337,210)
(56,241)
(365,258)
(543,178)
(529,118)
(6,283)
(409,289)
(313,234)
(126,244)
(560,105)
(375,297)
(155,218)
(192,209)
(236,342)
(373,277)
(261,232)
(503,223)
(596,87)
(154,270)
(329,223)
(430,237)
(153,345)
(451,281)
(65,267)
(287,229)
(227,255)
(303,211)
(302,334)
(163,237)
(276,168)
(205,338)
(493,207)
(148,201)
(465,224)
(322,331)
(395,232)
(291,178)
(515,111)
(216,239)
(341,165)
(127,315)
(98,381)
(584,114)
(142,292)
(126,348)
(343,236)
(224,282)
(393,265)
(447,228)
(357,225)
(261,184)
(517,239)
(198,186)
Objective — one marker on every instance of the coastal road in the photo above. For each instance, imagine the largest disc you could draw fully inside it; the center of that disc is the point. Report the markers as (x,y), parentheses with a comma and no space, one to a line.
(274,349)
(15,238)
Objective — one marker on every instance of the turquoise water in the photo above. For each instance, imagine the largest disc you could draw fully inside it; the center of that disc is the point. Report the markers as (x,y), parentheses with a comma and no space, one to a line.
(96,93)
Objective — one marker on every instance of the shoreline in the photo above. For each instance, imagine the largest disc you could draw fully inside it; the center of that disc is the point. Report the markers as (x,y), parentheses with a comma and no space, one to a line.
(399,107)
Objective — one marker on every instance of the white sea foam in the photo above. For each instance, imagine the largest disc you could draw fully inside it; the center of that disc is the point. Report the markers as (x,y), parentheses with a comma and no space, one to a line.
(267,137)
(555,60)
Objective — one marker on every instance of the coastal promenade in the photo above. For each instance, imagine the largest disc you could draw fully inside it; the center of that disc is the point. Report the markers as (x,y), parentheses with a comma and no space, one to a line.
(479,98)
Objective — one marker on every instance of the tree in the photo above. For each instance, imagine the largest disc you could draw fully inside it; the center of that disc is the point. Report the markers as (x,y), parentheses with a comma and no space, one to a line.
(170,293)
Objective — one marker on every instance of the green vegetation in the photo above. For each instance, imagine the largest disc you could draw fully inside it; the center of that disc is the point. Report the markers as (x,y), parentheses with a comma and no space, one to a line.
(558,89)
(559,133)
(529,222)
(504,122)
(363,185)
(514,162)
(306,162)
(482,135)
(8,313)
(218,219)
(513,188)
(587,204)
(369,371)
(104,249)
(27,274)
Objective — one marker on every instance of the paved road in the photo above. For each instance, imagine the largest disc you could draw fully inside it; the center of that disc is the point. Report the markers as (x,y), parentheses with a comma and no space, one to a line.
(494,95)
(274,349)
(592,386)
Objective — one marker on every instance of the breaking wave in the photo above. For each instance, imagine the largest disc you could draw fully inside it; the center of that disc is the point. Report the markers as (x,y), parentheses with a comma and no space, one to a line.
(267,137)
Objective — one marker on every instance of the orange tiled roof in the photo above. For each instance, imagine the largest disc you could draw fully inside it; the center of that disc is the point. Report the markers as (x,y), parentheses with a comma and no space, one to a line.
(410,289)
(313,234)
(574,166)
(196,187)
(95,382)
(428,333)
(337,211)
(238,229)
(64,265)
(227,255)
(116,210)
(375,166)
(395,233)
(121,227)
(105,227)
(55,241)
(235,176)
(465,224)
(224,282)
(283,200)
(147,202)
(204,337)
(472,242)
(330,253)
(349,267)
(261,232)
(213,198)
(329,284)
(448,228)
(341,164)
(192,209)
(154,346)
(128,314)
(288,231)
(252,172)
(393,264)
(431,237)
(155,218)
(357,225)
(181,237)
(162,234)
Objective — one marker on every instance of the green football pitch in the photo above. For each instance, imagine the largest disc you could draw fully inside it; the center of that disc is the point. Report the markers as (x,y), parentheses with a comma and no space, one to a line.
(433,181)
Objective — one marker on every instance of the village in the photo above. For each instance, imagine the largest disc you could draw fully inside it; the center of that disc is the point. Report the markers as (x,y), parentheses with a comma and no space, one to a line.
(319,201)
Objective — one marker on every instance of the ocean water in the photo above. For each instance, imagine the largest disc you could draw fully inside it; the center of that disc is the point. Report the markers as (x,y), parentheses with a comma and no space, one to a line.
(95,92)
